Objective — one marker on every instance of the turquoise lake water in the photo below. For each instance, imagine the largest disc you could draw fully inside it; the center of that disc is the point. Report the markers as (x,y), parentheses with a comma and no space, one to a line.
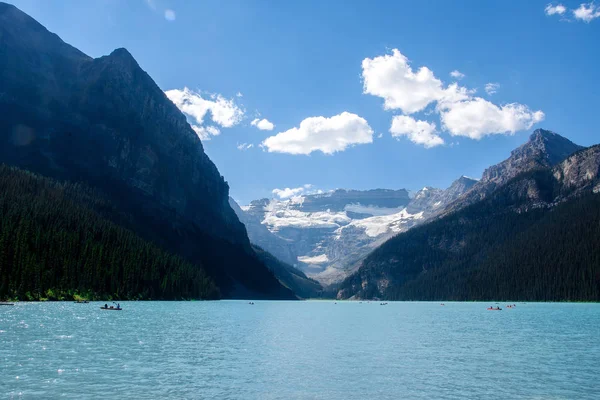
(300,350)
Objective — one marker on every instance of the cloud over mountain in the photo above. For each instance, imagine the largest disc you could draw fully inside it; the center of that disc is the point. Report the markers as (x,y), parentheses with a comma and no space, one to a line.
(223,112)
(291,192)
(477,117)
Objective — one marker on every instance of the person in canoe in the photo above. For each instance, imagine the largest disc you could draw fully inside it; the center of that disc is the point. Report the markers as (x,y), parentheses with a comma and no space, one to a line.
(115,307)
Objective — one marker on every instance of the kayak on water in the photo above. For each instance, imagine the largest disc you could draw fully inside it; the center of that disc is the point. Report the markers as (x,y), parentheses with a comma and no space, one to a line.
(111,308)
(7,304)
(494,309)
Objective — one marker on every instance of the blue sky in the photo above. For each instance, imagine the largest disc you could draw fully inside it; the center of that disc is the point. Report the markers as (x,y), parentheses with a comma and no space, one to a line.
(358,66)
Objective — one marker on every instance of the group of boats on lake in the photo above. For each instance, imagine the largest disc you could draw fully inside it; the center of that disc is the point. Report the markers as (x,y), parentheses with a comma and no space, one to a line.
(117,306)
(497,308)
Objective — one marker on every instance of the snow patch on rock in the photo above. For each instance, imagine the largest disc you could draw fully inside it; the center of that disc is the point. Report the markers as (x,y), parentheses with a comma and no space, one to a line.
(321,259)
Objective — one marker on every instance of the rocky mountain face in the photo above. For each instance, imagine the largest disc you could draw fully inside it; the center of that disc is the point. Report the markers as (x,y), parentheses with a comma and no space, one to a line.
(534,237)
(579,173)
(106,123)
(543,149)
(281,248)
(326,235)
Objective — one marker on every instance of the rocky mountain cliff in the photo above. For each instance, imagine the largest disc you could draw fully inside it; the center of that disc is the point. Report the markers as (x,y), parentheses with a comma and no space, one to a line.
(543,149)
(534,237)
(106,123)
(328,234)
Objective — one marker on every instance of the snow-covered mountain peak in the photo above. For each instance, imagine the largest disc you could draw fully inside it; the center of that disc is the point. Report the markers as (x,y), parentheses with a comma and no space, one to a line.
(331,232)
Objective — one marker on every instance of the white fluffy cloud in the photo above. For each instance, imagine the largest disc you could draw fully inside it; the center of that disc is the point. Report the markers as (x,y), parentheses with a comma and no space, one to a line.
(419,132)
(328,135)
(461,113)
(457,74)
(491,88)
(263,124)
(476,118)
(392,78)
(557,9)
(244,146)
(223,112)
(454,93)
(587,12)
(170,15)
(290,192)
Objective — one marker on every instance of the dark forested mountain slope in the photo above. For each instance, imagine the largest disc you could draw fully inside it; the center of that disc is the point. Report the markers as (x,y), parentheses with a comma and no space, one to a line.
(58,240)
(537,237)
(290,276)
(106,123)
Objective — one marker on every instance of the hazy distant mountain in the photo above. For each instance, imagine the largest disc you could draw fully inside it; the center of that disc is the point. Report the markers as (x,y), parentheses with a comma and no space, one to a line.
(106,123)
(535,235)
(330,233)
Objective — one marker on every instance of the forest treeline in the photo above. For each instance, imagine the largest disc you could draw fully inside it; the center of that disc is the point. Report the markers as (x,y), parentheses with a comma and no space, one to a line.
(493,251)
(60,241)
